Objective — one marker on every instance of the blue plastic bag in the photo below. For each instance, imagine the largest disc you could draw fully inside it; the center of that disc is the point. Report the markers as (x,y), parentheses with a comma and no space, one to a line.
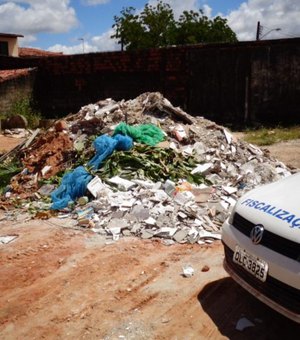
(105,146)
(74,183)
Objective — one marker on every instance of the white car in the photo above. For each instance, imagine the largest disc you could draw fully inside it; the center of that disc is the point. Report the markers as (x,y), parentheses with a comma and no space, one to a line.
(261,242)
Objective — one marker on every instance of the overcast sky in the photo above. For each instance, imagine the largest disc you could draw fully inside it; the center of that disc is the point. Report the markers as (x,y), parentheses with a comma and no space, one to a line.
(71,26)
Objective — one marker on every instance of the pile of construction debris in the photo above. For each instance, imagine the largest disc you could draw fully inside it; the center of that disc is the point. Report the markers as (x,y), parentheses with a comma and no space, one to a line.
(126,201)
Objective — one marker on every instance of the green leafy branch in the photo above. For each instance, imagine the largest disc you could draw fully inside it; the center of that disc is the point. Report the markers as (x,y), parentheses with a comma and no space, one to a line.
(146,162)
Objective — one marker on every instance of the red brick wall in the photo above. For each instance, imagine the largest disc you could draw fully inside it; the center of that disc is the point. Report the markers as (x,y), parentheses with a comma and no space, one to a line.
(211,80)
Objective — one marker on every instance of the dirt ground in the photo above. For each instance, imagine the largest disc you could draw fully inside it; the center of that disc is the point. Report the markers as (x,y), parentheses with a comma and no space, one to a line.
(61,283)
(287,152)
(7,143)
(58,282)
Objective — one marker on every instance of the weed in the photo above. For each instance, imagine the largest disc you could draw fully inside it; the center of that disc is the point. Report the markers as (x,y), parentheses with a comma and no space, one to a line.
(25,107)
(264,136)
(7,171)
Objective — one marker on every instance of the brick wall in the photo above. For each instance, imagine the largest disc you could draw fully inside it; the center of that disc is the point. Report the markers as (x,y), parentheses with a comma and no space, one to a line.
(14,89)
(228,83)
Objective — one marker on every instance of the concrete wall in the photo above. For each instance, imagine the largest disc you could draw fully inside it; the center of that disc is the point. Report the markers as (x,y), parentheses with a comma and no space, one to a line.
(228,83)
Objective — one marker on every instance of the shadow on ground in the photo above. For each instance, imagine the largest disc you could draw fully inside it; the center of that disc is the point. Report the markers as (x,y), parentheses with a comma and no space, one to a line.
(226,302)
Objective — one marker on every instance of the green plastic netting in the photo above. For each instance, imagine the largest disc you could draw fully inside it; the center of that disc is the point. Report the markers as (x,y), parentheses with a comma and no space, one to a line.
(145,133)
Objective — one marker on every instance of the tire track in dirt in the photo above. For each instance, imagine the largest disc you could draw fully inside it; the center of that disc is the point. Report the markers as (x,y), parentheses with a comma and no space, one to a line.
(80,287)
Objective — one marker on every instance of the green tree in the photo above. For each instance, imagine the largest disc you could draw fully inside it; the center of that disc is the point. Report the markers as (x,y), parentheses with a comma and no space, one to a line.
(155,26)
(194,27)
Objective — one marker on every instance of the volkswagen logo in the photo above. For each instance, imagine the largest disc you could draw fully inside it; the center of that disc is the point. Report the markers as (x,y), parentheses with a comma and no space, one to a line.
(257,234)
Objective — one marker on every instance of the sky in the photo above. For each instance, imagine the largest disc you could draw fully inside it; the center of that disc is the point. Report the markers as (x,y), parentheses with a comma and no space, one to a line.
(77,26)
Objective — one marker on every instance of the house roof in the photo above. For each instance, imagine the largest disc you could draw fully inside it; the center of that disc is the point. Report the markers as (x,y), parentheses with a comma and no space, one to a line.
(34,52)
(10,35)
(12,74)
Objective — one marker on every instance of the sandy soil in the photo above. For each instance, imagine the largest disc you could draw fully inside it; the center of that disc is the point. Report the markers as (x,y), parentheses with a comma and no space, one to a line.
(7,143)
(287,152)
(61,283)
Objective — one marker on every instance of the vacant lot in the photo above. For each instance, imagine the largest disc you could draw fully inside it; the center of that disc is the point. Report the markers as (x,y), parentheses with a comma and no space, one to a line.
(57,282)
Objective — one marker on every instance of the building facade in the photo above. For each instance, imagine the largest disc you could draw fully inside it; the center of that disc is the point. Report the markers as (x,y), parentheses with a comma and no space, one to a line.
(9,44)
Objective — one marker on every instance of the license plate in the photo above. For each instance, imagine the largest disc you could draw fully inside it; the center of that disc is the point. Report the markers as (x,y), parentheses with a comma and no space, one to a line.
(251,263)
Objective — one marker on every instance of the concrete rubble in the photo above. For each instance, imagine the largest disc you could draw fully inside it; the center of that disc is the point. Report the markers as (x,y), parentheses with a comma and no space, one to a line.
(7,239)
(173,212)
